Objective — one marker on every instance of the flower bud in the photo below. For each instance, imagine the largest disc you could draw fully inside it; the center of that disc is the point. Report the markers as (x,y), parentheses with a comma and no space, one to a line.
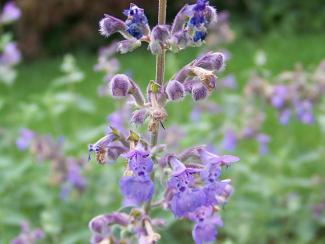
(210,61)
(159,36)
(109,25)
(175,90)
(139,116)
(128,45)
(199,92)
(120,85)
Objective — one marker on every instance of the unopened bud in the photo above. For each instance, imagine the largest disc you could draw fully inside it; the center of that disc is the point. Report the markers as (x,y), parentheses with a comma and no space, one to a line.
(139,116)
(210,61)
(120,85)
(199,92)
(109,25)
(175,90)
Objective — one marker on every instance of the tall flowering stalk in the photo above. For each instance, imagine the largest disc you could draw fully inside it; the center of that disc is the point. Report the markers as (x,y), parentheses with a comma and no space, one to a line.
(188,182)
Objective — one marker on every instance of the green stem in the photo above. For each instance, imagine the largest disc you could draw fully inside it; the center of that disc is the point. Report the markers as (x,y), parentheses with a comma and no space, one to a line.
(160,72)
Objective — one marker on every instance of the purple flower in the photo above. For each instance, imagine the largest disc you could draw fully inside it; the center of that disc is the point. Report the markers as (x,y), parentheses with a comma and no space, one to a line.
(210,158)
(278,97)
(120,85)
(159,38)
(25,138)
(206,224)
(10,13)
(263,141)
(229,82)
(136,23)
(28,236)
(186,197)
(100,225)
(110,25)
(304,111)
(11,55)
(284,116)
(74,177)
(138,187)
(217,193)
(229,141)
(199,92)
(101,146)
(175,90)
(212,61)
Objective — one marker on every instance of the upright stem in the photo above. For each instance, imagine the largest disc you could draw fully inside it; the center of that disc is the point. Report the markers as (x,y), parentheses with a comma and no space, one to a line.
(160,60)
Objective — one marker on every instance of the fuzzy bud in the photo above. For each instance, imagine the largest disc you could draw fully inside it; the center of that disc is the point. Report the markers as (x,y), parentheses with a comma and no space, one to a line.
(158,38)
(139,116)
(175,90)
(110,25)
(210,61)
(120,85)
(128,45)
(199,92)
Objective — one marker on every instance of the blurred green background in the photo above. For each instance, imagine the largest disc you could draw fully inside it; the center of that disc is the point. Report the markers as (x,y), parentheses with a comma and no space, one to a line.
(275,195)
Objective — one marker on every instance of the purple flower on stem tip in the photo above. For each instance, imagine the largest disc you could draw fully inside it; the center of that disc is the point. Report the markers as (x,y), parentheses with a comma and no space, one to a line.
(10,55)
(210,158)
(159,38)
(138,187)
(229,141)
(263,141)
(284,116)
(175,90)
(304,111)
(186,197)
(110,25)
(212,61)
(10,13)
(28,236)
(136,23)
(25,138)
(100,226)
(206,224)
(279,95)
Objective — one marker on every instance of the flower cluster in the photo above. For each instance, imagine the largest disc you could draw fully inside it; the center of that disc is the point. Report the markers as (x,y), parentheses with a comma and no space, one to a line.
(10,55)
(294,93)
(188,29)
(189,183)
(27,235)
(65,171)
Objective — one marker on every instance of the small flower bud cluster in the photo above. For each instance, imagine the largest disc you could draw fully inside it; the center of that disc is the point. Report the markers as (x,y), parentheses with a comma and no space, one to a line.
(189,28)
(10,55)
(294,92)
(27,235)
(65,171)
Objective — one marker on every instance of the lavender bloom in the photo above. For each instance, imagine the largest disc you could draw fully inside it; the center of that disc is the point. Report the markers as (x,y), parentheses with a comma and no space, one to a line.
(110,25)
(186,197)
(210,158)
(284,116)
(100,147)
(9,13)
(11,55)
(159,38)
(28,236)
(139,116)
(175,90)
(138,187)
(128,45)
(136,23)
(279,96)
(229,141)
(100,225)
(229,82)
(210,61)
(199,92)
(120,85)
(263,141)
(74,177)
(304,111)
(206,224)
(25,138)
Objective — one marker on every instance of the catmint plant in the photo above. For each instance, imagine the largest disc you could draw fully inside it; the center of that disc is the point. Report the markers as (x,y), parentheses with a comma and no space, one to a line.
(10,55)
(66,172)
(186,183)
